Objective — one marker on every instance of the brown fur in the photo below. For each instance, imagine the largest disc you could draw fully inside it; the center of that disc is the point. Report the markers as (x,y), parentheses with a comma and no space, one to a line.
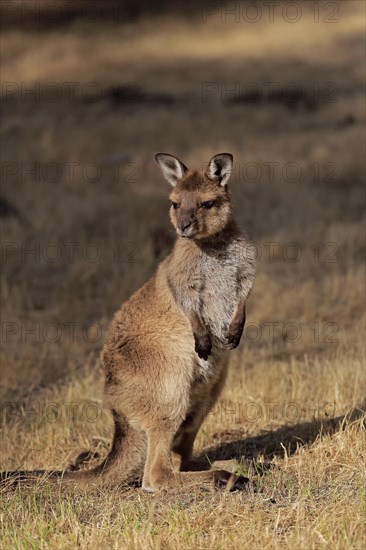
(166,355)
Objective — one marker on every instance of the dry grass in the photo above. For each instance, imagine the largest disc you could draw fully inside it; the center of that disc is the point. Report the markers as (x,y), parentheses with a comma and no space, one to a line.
(297,406)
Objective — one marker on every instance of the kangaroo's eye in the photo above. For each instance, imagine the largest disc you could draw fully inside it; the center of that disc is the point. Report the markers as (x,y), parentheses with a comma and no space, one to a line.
(208,204)
(175,205)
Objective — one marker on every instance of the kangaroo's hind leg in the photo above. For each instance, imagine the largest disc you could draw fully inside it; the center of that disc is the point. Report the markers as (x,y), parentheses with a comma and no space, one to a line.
(171,440)
(125,461)
(159,467)
(159,472)
(186,435)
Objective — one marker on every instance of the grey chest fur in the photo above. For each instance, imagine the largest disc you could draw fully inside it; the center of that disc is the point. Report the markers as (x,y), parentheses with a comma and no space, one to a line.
(220,289)
(211,282)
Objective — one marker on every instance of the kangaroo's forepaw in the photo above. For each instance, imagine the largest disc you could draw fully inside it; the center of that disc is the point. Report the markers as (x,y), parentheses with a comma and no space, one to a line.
(203,346)
(233,337)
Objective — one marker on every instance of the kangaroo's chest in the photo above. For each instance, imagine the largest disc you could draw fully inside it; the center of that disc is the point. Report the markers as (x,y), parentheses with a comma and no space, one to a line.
(219,291)
(208,282)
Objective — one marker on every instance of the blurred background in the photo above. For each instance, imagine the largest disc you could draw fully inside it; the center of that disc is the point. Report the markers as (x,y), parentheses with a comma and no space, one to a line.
(92,90)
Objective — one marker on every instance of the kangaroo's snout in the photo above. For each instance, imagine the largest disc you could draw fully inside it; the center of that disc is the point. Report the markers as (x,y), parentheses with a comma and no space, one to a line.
(184,225)
(185,222)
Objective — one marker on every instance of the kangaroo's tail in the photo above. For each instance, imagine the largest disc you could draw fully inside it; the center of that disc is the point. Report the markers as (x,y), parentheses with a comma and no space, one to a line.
(124,463)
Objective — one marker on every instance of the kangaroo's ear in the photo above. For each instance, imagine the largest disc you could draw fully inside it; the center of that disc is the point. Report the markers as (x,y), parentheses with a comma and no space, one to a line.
(173,169)
(220,167)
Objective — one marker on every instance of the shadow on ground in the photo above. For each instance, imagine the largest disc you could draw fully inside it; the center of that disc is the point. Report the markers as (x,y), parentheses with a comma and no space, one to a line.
(277,443)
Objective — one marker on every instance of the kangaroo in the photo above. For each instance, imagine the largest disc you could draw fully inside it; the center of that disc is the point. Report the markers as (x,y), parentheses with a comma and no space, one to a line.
(166,356)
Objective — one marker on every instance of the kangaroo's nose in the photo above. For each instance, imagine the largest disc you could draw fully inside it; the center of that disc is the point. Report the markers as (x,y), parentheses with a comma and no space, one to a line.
(185,225)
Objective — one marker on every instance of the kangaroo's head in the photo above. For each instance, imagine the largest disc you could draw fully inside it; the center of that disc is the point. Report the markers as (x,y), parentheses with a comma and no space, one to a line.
(200,200)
